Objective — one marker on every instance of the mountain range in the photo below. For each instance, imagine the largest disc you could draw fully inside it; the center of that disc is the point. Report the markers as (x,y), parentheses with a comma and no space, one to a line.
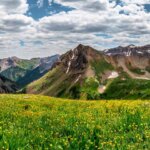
(24,71)
(85,73)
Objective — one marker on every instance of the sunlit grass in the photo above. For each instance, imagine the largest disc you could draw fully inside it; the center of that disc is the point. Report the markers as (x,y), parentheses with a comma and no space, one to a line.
(38,122)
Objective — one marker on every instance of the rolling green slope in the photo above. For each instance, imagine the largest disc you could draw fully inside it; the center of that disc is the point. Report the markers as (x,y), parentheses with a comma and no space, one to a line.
(54,83)
(38,122)
(127,89)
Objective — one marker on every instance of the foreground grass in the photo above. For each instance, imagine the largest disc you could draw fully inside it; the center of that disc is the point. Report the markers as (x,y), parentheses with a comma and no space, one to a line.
(37,122)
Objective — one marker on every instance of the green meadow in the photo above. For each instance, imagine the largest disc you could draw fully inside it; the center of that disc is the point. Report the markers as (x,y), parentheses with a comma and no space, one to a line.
(30,122)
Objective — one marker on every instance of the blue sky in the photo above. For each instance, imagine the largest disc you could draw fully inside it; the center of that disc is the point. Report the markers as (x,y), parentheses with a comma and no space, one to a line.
(38,28)
(39,9)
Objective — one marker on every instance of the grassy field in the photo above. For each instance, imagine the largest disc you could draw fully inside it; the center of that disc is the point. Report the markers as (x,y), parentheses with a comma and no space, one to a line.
(36,122)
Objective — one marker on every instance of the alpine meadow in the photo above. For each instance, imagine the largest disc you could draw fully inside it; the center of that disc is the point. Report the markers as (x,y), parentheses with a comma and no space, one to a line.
(74,75)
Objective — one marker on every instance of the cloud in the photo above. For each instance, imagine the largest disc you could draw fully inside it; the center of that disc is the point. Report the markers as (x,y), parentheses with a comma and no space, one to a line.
(88,23)
(136,2)
(13,6)
(86,5)
(15,23)
(40,3)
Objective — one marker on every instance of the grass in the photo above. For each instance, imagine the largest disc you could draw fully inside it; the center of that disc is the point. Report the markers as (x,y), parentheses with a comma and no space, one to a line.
(101,66)
(36,122)
(127,89)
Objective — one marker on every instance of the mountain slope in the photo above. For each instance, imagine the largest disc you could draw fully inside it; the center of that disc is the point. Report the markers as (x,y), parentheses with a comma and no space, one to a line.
(7,86)
(74,70)
(127,88)
(24,71)
(85,73)
(134,60)
(14,68)
(21,63)
(45,65)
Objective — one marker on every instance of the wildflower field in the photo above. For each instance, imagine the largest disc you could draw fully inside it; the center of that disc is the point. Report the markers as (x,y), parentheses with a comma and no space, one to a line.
(29,122)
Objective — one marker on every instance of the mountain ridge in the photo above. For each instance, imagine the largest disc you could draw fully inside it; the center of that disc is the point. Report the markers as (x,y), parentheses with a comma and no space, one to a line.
(84,72)
(17,69)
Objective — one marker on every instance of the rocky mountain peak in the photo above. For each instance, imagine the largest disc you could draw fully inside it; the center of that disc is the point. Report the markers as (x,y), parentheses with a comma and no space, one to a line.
(78,58)
(130,50)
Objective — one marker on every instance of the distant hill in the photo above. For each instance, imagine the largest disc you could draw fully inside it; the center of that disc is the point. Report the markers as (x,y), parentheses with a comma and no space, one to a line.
(14,73)
(23,71)
(45,65)
(14,68)
(134,60)
(86,73)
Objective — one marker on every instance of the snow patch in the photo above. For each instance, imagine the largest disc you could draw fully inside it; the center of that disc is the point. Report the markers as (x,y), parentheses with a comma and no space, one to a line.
(77,79)
(127,53)
(109,54)
(106,50)
(72,58)
(113,75)
(69,64)
(139,52)
(102,89)
(148,51)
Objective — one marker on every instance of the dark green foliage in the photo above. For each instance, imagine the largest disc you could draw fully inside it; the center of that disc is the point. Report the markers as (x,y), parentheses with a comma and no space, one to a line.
(148,69)
(89,89)
(7,86)
(127,89)
(30,76)
(101,66)
(138,71)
